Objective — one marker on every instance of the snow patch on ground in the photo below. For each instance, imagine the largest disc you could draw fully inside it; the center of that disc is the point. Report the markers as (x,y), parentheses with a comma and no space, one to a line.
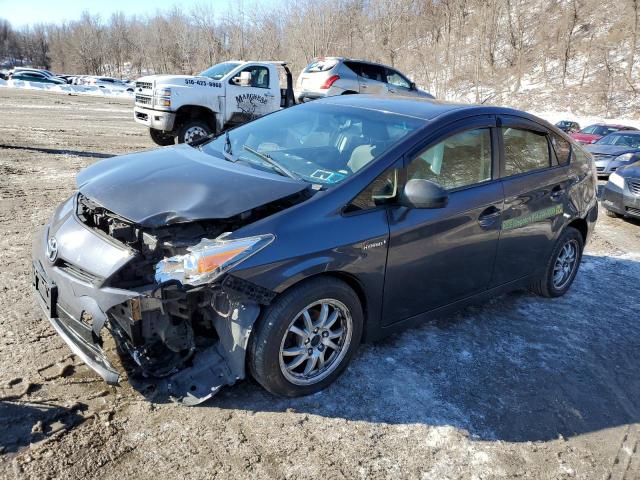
(68,89)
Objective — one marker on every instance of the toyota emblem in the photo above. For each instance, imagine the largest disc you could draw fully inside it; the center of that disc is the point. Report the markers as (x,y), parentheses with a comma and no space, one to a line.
(52,249)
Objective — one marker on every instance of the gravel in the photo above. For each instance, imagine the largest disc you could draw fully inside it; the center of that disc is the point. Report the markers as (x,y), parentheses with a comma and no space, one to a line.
(520,386)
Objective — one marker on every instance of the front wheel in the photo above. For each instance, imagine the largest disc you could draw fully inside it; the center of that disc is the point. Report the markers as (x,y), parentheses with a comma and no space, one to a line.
(161,138)
(562,266)
(193,130)
(306,338)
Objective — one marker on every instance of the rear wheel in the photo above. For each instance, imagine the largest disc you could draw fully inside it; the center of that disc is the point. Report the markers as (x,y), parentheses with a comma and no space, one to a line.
(562,266)
(192,130)
(611,214)
(306,338)
(161,138)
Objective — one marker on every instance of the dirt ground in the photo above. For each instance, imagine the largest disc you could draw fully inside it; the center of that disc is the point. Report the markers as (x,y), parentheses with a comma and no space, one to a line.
(521,387)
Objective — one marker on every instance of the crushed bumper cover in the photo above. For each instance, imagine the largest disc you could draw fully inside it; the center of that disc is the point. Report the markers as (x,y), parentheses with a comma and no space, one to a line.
(76,307)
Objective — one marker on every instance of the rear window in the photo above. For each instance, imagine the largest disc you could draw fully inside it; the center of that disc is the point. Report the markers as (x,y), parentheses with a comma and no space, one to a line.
(599,130)
(320,66)
(561,147)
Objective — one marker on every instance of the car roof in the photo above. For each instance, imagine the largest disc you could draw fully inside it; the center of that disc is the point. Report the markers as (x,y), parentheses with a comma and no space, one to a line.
(625,132)
(426,109)
(613,125)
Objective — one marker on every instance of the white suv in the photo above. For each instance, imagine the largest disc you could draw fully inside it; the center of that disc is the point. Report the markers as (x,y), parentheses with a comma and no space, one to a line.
(329,76)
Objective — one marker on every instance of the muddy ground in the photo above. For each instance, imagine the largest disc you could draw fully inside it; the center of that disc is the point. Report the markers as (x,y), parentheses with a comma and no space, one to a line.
(520,387)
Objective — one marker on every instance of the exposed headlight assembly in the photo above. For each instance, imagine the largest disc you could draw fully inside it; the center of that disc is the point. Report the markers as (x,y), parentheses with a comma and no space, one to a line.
(209,259)
(616,180)
(163,92)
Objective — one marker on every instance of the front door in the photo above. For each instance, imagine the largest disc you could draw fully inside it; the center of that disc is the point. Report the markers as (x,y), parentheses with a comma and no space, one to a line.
(438,256)
(535,199)
(255,99)
(398,84)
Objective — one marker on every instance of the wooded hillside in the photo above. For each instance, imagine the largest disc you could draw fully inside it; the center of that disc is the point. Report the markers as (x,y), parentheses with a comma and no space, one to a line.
(573,54)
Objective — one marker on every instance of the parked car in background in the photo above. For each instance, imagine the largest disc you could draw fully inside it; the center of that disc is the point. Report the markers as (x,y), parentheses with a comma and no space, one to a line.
(595,132)
(109,82)
(31,69)
(615,150)
(568,126)
(212,263)
(329,76)
(621,195)
(37,77)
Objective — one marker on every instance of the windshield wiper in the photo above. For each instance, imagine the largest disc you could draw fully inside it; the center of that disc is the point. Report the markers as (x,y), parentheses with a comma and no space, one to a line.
(227,144)
(272,162)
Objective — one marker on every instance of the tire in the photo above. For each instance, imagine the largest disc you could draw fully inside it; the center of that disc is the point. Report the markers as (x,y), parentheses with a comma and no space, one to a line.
(611,214)
(192,130)
(272,335)
(161,138)
(549,285)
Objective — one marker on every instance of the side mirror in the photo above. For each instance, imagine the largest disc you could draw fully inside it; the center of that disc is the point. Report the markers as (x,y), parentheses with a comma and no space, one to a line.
(243,80)
(420,193)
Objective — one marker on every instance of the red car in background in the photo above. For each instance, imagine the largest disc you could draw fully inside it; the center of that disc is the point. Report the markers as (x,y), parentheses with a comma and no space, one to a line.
(595,132)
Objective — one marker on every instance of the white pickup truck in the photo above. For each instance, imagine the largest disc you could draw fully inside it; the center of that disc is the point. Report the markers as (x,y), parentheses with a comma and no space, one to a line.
(225,95)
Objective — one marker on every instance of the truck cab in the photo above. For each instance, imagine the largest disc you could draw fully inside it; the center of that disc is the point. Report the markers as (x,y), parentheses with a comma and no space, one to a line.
(227,94)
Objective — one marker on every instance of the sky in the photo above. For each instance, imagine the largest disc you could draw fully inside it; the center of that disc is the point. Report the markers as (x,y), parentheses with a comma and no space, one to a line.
(22,12)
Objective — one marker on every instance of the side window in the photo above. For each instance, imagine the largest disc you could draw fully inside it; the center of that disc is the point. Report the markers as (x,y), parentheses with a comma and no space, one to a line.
(561,147)
(524,151)
(259,76)
(373,72)
(381,190)
(461,160)
(355,67)
(394,78)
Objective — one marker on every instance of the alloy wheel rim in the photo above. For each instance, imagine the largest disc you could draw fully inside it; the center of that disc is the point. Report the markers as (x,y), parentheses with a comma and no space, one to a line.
(315,342)
(565,264)
(194,133)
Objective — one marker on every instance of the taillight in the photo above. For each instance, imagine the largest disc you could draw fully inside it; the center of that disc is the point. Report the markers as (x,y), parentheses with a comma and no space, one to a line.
(330,81)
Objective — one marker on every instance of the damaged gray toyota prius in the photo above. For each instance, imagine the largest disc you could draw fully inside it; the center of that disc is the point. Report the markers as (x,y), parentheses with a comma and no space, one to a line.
(276,247)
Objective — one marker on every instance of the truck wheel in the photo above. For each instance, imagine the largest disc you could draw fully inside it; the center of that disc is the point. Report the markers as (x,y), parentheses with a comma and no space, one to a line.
(161,138)
(193,130)
(306,338)
(562,265)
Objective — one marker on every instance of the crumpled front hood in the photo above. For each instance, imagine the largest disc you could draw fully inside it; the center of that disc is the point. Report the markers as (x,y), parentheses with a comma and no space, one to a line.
(180,184)
(613,150)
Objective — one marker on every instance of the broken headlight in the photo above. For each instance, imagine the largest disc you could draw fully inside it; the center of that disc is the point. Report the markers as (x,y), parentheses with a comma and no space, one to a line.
(209,259)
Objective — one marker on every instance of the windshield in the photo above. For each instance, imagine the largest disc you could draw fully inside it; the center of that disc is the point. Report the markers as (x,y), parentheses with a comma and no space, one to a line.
(321,65)
(322,144)
(601,130)
(220,70)
(621,140)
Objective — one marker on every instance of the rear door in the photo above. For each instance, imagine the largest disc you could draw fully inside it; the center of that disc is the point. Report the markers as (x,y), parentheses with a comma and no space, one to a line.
(245,103)
(535,199)
(438,256)
(372,79)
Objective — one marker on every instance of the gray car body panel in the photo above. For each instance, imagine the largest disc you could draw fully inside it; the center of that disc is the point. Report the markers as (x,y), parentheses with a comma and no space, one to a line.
(314,237)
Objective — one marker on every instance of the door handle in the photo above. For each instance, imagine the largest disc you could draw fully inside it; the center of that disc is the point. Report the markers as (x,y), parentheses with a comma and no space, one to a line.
(557,193)
(391,90)
(489,216)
